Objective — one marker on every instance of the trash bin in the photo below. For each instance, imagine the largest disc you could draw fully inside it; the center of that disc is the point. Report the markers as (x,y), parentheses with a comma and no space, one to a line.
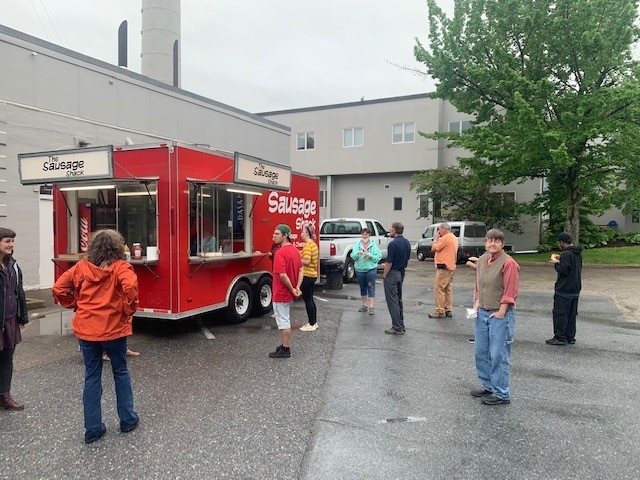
(334,281)
(333,272)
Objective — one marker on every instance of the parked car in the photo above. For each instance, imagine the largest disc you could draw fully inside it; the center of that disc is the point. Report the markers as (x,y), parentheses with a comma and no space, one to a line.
(337,237)
(470,240)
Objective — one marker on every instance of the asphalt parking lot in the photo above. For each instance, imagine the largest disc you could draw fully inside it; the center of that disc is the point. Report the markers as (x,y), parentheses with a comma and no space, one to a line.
(351,403)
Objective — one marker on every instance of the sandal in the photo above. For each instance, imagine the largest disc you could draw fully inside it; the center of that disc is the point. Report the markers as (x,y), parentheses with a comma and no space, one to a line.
(131,353)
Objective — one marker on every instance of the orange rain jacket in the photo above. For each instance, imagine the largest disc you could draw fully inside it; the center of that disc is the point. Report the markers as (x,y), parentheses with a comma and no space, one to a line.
(104,299)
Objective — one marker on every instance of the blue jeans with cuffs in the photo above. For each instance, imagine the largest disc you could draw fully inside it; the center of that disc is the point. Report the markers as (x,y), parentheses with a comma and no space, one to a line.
(494,337)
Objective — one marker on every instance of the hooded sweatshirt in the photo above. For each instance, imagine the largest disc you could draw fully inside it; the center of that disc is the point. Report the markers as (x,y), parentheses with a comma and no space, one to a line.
(569,268)
(104,299)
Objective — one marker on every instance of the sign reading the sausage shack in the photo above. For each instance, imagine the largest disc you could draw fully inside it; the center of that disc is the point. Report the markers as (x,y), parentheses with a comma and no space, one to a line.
(257,172)
(54,167)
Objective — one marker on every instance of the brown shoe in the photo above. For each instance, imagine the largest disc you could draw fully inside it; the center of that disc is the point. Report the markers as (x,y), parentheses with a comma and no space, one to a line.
(131,353)
(9,403)
(436,315)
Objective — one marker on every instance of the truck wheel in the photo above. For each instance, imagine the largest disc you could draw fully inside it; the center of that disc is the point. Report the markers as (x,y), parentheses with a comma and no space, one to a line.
(240,303)
(420,255)
(349,270)
(263,296)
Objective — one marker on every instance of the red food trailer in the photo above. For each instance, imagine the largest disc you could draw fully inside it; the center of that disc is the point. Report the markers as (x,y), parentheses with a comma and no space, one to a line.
(201,219)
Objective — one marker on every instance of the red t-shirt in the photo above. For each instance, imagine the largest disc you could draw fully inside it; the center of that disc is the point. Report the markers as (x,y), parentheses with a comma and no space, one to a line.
(285,260)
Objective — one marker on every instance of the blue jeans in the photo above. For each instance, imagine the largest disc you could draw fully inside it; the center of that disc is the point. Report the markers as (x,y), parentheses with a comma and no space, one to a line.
(393,296)
(494,337)
(367,281)
(92,394)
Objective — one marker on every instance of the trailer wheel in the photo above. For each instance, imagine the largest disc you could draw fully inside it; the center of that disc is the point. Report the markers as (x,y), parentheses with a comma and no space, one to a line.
(349,270)
(263,296)
(240,303)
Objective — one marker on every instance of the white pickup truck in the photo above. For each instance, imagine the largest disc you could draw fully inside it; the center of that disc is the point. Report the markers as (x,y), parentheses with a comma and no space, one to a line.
(337,237)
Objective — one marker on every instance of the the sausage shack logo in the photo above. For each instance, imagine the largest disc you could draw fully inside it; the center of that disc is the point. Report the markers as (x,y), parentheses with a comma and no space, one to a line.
(304,207)
(70,168)
(262,170)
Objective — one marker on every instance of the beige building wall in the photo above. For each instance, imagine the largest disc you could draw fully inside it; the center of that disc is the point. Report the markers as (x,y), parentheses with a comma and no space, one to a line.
(379,172)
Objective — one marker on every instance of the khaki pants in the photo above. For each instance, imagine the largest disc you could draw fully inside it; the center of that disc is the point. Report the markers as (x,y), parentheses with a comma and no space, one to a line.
(443,287)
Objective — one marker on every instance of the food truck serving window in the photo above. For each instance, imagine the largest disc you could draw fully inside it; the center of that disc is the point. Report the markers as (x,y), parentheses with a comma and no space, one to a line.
(129,207)
(216,219)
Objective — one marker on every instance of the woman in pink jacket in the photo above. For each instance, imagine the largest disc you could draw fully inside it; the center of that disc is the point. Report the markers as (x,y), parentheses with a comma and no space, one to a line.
(102,289)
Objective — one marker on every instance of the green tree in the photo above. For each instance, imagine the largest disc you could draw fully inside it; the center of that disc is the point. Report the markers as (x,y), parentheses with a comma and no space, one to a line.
(462,196)
(554,88)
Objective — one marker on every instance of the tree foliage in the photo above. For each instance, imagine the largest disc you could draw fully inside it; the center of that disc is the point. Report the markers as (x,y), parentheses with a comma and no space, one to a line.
(462,196)
(555,91)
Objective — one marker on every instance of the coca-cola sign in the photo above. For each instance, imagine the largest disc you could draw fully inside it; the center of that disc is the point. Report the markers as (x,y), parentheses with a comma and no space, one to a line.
(84,227)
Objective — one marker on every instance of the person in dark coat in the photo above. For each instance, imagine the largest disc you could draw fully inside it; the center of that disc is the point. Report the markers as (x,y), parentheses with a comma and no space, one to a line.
(566,291)
(13,306)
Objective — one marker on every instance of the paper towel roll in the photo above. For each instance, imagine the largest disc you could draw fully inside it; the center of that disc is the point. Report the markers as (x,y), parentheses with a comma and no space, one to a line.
(152,253)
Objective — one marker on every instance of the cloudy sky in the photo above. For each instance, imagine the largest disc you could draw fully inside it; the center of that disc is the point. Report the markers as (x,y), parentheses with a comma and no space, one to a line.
(257,55)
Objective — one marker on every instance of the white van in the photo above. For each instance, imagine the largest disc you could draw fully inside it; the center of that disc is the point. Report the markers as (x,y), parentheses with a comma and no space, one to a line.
(470,240)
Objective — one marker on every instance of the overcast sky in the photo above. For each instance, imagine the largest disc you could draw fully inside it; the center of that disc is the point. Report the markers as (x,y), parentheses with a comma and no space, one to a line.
(257,55)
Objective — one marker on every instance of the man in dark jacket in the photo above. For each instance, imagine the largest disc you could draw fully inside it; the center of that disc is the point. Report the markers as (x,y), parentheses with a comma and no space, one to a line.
(566,291)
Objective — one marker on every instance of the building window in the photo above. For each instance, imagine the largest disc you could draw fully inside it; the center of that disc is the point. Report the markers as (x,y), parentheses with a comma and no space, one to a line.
(397,203)
(507,197)
(323,198)
(404,132)
(437,208)
(424,206)
(459,127)
(360,206)
(306,141)
(353,137)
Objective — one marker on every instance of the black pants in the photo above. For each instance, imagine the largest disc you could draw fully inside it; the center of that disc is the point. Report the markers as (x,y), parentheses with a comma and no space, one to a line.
(393,295)
(6,369)
(565,311)
(307,295)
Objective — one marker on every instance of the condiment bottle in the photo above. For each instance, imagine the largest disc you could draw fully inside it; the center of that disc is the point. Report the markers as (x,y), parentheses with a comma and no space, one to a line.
(127,252)
(137,251)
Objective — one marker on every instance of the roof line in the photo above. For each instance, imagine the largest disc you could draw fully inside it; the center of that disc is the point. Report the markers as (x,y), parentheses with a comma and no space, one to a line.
(346,105)
(137,76)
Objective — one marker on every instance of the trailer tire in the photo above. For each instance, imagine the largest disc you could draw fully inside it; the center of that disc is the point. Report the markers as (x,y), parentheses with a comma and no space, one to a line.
(263,296)
(240,303)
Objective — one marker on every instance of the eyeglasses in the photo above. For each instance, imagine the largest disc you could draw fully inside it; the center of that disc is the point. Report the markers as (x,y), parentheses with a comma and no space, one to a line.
(366,233)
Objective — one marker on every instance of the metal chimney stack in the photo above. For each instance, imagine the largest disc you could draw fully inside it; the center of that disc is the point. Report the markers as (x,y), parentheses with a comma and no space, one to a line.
(161,44)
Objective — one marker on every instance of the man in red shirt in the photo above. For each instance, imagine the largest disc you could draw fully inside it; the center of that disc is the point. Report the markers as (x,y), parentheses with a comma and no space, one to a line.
(287,278)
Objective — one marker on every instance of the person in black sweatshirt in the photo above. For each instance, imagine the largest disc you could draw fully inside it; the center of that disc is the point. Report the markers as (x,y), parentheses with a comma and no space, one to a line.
(566,291)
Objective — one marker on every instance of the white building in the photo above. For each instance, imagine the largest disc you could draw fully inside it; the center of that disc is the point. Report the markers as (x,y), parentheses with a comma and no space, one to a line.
(366,152)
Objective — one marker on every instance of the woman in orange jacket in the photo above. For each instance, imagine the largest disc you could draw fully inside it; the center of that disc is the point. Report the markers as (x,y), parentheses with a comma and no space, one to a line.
(102,289)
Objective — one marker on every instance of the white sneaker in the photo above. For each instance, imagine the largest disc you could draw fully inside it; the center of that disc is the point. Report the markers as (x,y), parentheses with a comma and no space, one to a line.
(309,328)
